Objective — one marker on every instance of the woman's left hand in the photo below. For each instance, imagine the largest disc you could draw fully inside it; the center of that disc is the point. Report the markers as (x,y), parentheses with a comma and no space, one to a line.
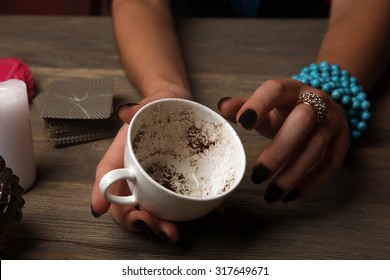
(303,153)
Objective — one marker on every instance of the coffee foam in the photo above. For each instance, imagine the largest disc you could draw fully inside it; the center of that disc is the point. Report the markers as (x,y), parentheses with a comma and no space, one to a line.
(186,150)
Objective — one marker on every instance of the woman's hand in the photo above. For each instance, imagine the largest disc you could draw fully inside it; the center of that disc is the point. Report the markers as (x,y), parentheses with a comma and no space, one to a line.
(129,217)
(303,153)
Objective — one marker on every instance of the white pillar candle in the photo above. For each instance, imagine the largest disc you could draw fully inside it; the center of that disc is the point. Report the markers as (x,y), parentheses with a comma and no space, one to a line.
(16,145)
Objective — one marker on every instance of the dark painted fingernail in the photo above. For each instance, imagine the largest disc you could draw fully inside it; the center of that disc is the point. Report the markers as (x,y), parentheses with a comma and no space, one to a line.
(260,174)
(164,237)
(273,193)
(140,225)
(292,195)
(214,214)
(119,106)
(96,215)
(221,101)
(247,118)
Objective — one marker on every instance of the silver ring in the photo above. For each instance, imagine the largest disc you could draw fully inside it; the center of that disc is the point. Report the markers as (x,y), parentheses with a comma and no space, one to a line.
(315,102)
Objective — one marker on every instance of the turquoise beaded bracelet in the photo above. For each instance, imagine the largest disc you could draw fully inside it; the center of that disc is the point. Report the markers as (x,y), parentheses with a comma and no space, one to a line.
(342,88)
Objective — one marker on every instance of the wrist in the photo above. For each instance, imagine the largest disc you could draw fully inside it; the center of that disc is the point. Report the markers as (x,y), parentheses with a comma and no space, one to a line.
(342,88)
(178,90)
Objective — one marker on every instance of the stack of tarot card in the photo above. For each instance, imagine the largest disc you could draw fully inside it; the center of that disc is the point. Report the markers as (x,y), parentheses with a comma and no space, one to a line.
(80,110)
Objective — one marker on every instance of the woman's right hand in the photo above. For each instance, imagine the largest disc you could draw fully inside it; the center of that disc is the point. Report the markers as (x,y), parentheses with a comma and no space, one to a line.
(129,217)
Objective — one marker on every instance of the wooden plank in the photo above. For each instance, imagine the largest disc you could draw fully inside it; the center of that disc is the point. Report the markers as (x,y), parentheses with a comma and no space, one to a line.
(346,219)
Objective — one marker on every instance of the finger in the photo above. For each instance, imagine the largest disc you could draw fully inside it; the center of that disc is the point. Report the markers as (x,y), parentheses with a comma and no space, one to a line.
(300,164)
(292,133)
(113,159)
(332,137)
(142,221)
(130,218)
(166,231)
(229,107)
(271,124)
(329,164)
(271,94)
(127,112)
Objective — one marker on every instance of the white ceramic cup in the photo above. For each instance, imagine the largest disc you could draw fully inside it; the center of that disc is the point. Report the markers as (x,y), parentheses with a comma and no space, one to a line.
(181,160)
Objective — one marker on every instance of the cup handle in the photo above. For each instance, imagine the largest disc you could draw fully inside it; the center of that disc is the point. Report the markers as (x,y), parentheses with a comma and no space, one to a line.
(110,178)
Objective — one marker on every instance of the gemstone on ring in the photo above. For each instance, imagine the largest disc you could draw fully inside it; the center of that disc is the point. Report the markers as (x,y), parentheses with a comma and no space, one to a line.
(315,102)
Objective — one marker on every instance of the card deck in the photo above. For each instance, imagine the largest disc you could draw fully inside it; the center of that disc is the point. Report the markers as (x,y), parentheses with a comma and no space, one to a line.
(80,110)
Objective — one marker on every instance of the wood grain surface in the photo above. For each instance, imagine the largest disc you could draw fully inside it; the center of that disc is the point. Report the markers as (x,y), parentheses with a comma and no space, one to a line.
(348,218)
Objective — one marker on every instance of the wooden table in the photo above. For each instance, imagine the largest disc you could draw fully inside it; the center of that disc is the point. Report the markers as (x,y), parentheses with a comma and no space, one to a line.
(348,218)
